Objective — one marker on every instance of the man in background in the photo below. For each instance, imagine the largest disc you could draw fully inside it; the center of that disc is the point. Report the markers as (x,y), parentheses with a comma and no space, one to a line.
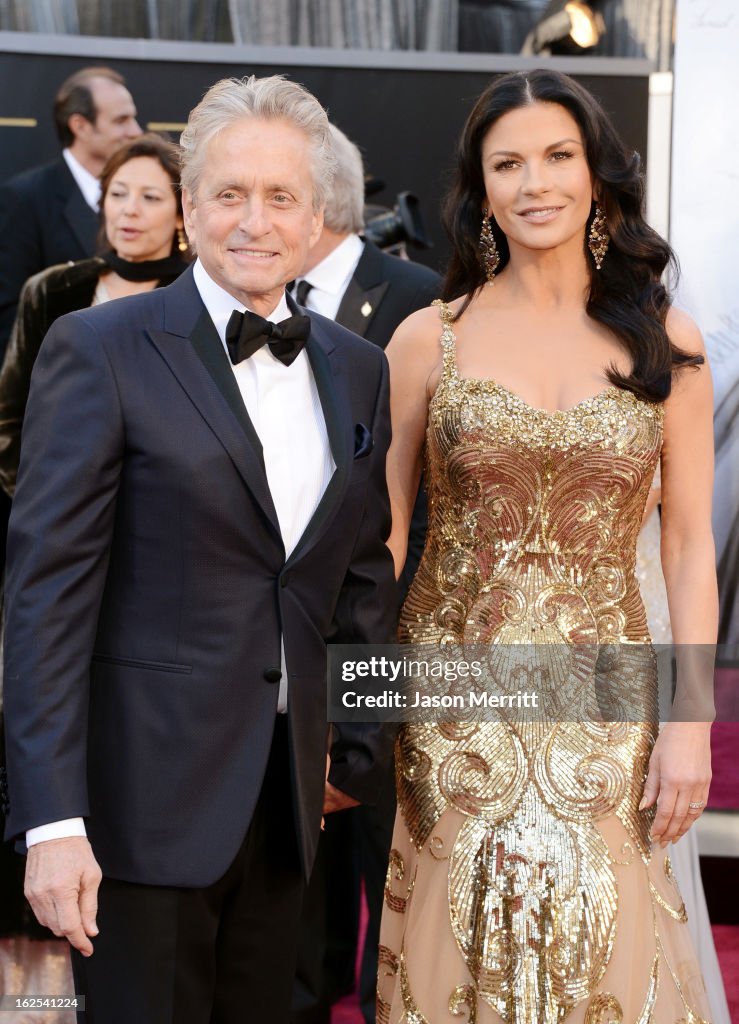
(352,281)
(49,214)
(348,278)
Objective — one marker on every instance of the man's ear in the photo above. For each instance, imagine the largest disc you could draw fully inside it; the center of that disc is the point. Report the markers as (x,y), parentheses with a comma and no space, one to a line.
(187,209)
(79,126)
(316,227)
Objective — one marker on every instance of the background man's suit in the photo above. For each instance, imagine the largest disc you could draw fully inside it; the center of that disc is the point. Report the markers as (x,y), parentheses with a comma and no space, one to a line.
(148,590)
(44,219)
(383,291)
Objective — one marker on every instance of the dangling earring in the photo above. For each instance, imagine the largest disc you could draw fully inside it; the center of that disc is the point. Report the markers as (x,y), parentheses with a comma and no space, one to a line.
(181,240)
(489,255)
(598,238)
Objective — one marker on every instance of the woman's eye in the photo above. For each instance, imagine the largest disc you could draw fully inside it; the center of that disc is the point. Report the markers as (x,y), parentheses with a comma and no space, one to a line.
(505,165)
(562,154)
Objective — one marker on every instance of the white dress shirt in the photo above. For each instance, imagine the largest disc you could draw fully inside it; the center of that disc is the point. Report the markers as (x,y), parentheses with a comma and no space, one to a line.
(87,183)
(330,278)
(284,407)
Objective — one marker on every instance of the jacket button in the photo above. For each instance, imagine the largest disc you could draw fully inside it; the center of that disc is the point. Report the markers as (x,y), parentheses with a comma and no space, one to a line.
(272,675)
(285,579)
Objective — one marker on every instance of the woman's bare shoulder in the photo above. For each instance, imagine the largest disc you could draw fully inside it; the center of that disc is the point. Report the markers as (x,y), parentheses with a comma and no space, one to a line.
(418,336)
(684,332)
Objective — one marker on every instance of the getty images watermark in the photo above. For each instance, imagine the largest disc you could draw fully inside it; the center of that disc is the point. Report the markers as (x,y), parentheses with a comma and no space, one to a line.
(425,671)
(538,682)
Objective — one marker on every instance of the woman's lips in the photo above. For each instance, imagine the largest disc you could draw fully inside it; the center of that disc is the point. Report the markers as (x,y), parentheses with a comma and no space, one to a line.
(540,214)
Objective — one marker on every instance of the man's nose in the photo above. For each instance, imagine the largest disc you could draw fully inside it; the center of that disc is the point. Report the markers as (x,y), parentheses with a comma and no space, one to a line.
(134,129)
(255,219)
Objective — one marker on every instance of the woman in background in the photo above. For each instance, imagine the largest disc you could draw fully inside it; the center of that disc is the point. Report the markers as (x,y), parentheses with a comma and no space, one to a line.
(143,247)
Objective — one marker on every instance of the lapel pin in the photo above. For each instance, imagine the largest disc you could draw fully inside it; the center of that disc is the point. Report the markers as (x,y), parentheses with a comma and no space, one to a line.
(366,309)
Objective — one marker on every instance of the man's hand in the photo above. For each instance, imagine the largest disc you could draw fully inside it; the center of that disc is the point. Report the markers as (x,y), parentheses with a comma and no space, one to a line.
(335,800)
(62,880)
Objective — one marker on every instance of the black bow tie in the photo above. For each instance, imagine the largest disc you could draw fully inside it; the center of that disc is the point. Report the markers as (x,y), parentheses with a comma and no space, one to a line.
(247,332)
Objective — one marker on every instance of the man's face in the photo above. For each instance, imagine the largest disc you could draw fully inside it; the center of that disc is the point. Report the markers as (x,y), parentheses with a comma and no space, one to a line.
(252,220)
(115,122)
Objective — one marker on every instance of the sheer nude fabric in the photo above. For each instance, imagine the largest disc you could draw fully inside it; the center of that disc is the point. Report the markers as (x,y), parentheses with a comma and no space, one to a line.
(684,853)
(522,884)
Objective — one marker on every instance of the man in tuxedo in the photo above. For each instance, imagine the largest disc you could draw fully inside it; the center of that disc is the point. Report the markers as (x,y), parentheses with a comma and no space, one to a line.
(348,278)
(49,214)
(201,505)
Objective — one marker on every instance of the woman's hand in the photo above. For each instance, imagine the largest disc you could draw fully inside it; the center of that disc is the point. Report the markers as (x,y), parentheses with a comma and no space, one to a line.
(678,778)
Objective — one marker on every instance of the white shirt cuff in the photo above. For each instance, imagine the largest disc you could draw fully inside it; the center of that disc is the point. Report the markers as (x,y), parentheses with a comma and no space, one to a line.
(56,830)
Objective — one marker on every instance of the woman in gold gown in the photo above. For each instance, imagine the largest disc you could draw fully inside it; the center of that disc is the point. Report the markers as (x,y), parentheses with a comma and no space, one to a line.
(529,879)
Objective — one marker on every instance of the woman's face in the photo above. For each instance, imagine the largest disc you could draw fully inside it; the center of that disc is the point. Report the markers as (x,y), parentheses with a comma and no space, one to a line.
(140,210)
(538,184)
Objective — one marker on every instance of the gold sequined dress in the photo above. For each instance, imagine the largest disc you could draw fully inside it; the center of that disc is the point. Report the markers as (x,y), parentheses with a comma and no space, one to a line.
(522,884)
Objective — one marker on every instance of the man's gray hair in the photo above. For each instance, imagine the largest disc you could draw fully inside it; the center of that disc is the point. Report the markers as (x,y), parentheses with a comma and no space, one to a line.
(272,98)
(344,211)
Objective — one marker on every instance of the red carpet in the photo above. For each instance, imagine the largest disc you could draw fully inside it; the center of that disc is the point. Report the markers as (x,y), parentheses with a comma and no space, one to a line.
(725,742)
(726,937)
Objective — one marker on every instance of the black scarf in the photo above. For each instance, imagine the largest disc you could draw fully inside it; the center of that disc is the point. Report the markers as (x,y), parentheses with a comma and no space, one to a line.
(164,270)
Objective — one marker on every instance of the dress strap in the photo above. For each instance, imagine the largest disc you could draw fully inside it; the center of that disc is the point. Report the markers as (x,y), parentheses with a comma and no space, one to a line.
(448,339)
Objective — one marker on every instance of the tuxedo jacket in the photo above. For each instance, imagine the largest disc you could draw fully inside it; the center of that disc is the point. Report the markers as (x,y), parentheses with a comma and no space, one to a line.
(44,220)
(147,589)
(383,291)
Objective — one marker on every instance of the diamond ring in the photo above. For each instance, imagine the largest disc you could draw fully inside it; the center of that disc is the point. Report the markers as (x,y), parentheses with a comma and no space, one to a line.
(696,807)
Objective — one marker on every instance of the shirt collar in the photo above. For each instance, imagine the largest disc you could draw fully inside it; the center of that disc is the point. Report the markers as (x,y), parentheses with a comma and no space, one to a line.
(221,304)
(87,183)
(335,271)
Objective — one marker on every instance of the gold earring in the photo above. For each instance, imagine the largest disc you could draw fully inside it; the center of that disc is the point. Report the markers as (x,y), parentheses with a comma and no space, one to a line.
(598,238)
(489,255)
(181,240)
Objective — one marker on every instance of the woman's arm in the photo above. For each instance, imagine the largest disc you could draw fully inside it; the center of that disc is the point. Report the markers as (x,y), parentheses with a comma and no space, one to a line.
(31,324)
(414,355)
(680,766)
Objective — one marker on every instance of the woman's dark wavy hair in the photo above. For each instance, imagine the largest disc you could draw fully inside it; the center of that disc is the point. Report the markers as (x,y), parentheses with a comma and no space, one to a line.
(169,157)
(627,294)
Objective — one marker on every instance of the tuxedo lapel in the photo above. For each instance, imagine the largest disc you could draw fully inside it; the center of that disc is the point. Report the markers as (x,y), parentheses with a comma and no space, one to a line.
(364,293)
(190,346)
(332,391)
(359,305)
(81,219)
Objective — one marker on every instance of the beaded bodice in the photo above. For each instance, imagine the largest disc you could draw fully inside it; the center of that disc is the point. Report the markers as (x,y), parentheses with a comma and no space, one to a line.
(533,515)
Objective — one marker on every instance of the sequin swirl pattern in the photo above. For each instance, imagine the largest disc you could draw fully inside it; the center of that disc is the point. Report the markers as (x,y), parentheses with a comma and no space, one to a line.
(533,522)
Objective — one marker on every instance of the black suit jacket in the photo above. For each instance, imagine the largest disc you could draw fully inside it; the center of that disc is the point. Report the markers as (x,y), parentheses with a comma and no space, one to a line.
(383,292)
(44,220)
(147,589)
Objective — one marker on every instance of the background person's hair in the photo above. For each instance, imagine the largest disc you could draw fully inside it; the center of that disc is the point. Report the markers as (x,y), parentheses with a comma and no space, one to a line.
(74,96)
(167,154)
(627,295)
(272,98)
(344,211)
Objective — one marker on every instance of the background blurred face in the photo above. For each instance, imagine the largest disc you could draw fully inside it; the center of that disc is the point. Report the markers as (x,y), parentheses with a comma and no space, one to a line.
(115,122)
(538,184)
(140,210)
(252,221)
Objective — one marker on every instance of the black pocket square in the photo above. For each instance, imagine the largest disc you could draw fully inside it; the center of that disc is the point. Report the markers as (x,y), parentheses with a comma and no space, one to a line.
(363,441)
